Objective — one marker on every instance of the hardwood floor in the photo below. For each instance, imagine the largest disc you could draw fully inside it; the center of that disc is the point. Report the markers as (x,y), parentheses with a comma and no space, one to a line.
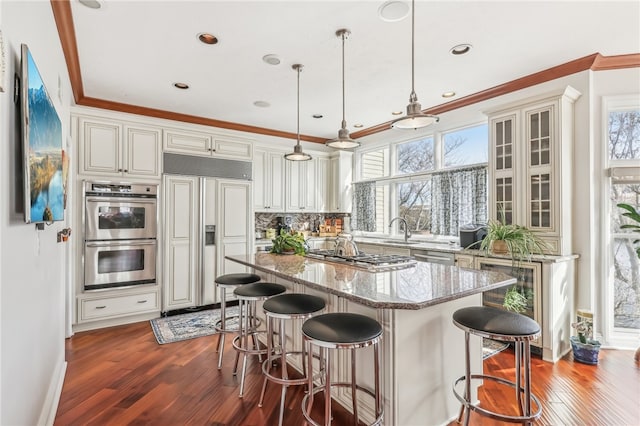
(120,375)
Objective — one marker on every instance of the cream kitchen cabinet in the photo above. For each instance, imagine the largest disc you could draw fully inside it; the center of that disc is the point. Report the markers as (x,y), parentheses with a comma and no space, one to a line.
(530,166)
(268,174)
(193,142)
(118,149)
(190,262)
(301,190)
(333,183)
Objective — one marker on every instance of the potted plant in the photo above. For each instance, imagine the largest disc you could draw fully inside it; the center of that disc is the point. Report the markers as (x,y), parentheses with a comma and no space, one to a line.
(289,243)
(585,349)
(634,215)
(519,242)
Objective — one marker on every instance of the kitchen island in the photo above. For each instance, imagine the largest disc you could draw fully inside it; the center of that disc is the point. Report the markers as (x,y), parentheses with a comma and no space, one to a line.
(422,351)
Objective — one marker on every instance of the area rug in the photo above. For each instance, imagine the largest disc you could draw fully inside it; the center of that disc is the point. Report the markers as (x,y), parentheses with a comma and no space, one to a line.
(491,347)
(188,326)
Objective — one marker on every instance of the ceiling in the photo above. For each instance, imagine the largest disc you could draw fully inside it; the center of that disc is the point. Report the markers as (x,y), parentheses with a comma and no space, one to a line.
(132,52)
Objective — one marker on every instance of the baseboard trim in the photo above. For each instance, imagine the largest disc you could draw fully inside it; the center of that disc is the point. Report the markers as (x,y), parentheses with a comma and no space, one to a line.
(50,406)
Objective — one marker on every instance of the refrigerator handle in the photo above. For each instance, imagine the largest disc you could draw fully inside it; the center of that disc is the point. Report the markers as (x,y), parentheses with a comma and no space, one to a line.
(201,236)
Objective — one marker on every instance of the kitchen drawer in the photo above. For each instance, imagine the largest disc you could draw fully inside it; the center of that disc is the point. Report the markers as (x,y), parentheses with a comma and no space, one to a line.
(117,306)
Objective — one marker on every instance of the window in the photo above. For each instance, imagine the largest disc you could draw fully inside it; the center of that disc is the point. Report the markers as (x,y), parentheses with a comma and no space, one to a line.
(466,146)
(436,183)
(375,164)
(415,157)
(622,311)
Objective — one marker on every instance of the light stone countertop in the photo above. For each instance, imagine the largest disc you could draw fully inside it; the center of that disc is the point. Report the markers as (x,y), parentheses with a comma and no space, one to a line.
(416,287)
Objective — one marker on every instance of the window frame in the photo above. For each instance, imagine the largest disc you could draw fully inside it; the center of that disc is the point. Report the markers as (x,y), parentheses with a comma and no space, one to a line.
(613,171)
(393,178)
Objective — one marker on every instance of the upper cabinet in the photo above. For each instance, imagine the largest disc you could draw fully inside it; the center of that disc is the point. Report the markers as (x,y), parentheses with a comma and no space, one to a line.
(268,175)
(530,166)
(115,148)
(208,144)
(301,185)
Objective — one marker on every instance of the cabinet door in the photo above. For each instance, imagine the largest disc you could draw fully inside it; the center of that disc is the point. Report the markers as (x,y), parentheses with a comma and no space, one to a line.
(302,191)
(226,147)
(539,144)
(502,169)
(187,142)
(180,254)
(99,145)
(268,176)
(234,223)
(143,151)
(324,202)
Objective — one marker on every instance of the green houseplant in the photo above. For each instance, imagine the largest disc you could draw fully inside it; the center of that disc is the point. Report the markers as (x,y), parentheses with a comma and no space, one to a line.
(519,242)
(289,243)
(634,215)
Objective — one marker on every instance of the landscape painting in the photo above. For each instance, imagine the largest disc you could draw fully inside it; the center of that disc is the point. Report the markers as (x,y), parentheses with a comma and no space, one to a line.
(42,138)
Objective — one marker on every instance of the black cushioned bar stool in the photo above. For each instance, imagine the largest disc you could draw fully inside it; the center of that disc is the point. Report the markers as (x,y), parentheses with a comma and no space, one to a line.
(341,331)
(224,282)
(248,295)
(284,307)
(498,324)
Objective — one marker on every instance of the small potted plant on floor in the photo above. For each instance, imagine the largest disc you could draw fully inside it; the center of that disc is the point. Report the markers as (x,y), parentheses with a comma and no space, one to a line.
(585,349)
(289,243)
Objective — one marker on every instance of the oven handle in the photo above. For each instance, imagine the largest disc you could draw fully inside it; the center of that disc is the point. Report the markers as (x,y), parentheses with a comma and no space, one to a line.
(121,199)
(119,243)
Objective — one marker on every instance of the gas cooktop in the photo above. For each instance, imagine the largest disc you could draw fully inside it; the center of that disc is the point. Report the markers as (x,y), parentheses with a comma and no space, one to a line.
(371,262)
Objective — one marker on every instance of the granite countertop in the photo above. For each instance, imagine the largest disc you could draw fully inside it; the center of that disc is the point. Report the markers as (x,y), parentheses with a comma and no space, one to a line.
(447,247)
(416,287)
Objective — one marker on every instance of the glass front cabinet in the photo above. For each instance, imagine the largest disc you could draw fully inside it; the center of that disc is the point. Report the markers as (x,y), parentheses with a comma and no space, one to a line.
(530,166)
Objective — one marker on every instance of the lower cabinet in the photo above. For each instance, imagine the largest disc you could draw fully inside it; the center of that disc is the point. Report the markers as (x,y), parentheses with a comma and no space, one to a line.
(117,304)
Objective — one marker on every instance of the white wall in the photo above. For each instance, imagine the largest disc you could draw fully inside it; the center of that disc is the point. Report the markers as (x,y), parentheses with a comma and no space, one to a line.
(33,265)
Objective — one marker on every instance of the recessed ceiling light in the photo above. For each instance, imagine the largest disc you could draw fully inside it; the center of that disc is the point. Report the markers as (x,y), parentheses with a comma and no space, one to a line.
(207,38)
(262,104)
(448,94)
(317,115)
(92,4)
(393,11)
(358,125)
(460,49)
(182,86)
(396,113)
(271,59)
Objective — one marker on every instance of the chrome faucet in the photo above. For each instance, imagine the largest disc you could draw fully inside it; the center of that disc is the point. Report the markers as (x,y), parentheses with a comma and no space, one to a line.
(407,234)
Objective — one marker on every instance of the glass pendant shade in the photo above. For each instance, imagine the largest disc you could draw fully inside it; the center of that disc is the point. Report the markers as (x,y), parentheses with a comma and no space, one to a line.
(297,154)
(343,141)
(415,118)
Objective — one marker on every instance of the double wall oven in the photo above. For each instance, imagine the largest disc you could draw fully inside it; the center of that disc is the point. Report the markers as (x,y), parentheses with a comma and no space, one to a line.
(120,240)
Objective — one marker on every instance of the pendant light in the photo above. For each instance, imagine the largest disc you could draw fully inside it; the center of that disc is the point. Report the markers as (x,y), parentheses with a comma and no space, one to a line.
(414,119)
(297,154)
(343,141)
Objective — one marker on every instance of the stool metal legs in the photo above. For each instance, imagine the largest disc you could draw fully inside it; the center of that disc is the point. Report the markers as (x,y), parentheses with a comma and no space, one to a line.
(247,328)
(523,390)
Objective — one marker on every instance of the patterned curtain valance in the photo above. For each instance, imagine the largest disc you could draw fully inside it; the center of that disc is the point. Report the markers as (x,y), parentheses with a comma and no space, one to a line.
(459,197)
(363,216)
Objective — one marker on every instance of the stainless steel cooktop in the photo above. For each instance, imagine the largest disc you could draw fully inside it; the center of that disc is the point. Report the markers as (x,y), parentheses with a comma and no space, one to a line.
(371,262)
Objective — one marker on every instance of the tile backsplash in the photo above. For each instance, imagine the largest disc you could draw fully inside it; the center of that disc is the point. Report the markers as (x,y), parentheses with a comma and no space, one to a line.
(298,220)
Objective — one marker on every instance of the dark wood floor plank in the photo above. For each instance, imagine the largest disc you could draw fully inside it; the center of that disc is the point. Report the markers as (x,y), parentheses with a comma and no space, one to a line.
(121,376)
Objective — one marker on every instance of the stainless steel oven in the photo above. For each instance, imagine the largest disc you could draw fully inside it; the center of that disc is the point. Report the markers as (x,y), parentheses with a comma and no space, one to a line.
(120,211)
(119,263)
(120,230)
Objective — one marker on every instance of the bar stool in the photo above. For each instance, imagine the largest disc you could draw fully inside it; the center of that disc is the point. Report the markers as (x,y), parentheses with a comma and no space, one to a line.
(498,324)
(248,295)
(224,282)
(341,331)
(288,306)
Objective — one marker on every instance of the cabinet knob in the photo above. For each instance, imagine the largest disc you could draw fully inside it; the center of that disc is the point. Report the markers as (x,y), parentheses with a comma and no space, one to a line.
(142,301)
(120,170)
(126,170)
(101,307)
